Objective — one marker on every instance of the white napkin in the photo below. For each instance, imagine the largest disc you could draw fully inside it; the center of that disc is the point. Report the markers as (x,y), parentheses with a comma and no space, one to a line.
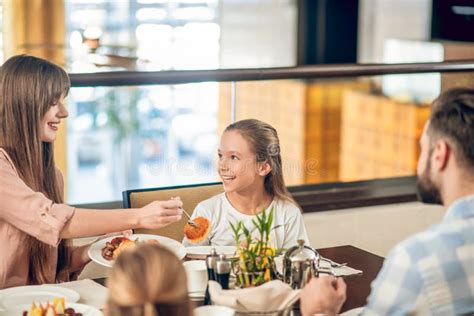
(325,264)
(339,271)
(92,293)
(271,296)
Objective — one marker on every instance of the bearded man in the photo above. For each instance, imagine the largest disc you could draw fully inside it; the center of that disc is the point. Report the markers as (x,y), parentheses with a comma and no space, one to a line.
(431,272)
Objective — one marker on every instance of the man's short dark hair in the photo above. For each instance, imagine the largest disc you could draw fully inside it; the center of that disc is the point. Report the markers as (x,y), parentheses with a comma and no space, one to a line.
(452,117)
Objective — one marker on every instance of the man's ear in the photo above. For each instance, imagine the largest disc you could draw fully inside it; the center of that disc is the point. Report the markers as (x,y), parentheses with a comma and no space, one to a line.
(264,168)
(442,152)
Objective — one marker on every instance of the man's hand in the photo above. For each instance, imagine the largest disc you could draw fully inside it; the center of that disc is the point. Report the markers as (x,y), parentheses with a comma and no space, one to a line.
(323,295)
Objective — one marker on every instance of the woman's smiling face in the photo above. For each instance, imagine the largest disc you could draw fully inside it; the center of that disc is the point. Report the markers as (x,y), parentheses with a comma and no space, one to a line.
(237,165)
(51,119)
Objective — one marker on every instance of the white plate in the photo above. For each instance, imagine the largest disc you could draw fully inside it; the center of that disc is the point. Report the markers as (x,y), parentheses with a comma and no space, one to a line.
(95,250)
(200,252)
(15,296)
(86,310)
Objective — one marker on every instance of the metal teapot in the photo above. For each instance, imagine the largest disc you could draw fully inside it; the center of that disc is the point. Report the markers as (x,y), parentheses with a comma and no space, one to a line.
(300,264)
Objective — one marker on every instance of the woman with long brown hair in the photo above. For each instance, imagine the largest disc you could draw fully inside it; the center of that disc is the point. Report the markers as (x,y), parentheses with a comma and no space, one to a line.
(35,225)
(251,170)
(148,280)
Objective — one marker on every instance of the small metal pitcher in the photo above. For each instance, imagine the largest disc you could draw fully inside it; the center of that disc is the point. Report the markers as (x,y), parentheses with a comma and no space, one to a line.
(300,264)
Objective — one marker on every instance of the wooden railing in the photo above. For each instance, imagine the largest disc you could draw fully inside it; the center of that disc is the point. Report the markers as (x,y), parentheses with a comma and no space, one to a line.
(136,78)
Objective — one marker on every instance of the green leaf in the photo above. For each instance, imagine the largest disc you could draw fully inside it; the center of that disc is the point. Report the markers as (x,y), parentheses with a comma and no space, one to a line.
(256,224)
(245,230)
(270,218)
(263,217)
(233,228)
(236,231)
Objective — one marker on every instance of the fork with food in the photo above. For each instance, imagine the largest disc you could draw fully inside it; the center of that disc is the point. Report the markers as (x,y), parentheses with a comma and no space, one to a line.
(190,221)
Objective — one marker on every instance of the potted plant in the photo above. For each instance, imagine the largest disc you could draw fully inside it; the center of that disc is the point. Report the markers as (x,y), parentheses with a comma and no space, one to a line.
(255,263)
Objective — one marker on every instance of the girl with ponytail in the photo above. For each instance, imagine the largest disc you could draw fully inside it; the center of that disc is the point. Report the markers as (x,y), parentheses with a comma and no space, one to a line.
(250,167)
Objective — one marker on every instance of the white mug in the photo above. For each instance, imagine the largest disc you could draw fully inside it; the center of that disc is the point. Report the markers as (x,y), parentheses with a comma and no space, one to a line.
(196,272)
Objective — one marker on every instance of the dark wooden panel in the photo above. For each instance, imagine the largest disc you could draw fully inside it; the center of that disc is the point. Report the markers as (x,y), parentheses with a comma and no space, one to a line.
(332,196)
(339,195)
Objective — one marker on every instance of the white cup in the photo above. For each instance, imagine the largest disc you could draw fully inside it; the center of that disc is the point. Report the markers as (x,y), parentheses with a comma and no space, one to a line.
(213,310)
(196,272)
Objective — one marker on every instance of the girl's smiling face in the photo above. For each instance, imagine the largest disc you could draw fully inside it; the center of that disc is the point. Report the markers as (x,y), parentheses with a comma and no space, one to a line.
(49,124)
(237,165)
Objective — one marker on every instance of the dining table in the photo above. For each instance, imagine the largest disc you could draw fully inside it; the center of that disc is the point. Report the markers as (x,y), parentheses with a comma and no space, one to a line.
(358,286)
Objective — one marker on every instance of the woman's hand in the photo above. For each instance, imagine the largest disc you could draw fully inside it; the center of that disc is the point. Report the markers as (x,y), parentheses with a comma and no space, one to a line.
(158,214)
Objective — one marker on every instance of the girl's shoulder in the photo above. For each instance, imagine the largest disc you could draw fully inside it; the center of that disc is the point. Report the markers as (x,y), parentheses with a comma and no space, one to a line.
(290,208)
(212,203)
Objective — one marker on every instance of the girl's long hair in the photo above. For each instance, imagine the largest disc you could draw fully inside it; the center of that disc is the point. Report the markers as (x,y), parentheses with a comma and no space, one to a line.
(263,139)
(148,280)
(28,87)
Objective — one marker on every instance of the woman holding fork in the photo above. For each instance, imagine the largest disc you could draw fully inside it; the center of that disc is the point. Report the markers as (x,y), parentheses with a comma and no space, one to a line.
(36,227)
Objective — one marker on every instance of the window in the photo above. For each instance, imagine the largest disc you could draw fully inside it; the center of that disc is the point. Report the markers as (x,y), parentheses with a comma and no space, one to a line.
(130,137)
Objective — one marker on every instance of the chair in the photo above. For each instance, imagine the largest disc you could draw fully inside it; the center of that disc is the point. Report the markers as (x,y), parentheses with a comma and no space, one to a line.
(191,195)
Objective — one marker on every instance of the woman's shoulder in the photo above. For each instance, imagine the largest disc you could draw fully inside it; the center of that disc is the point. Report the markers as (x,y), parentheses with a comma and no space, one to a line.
(5,160)
(4,154)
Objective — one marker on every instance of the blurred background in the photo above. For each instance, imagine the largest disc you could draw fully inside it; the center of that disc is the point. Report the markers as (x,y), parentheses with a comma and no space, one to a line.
(336,130)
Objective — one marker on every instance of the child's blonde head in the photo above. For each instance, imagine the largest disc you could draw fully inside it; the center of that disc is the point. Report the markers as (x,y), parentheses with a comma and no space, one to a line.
(148,280)
(263,140)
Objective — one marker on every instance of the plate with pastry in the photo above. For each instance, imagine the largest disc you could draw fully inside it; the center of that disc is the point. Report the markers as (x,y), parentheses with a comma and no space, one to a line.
(53,308)
(106,250)
(21,295)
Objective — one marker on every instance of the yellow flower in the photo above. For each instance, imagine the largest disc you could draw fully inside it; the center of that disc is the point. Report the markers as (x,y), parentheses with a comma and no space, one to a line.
(270,251)
(266,276)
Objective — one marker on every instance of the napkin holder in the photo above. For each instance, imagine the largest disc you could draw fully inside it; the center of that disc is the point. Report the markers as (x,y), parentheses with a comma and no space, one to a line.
(254,301)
